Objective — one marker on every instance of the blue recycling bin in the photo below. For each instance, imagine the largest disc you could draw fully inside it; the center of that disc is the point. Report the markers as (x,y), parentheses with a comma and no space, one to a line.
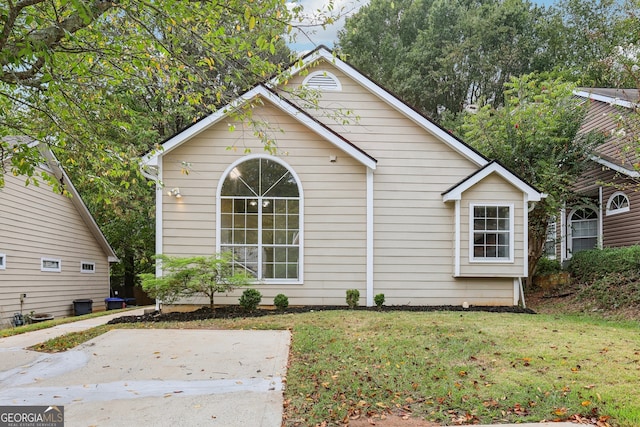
(129,301)
(114,303)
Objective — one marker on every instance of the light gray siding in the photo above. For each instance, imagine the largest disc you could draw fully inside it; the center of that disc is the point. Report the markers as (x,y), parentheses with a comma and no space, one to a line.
(40,223)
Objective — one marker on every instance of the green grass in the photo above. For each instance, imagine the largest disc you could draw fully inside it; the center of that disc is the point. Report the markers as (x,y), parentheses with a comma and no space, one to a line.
(7,332)
(452,367)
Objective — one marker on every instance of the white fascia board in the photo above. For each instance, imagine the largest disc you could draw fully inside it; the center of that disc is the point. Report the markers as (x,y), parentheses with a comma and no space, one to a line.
(607,99)
(394,102)
(456,193)
(260,91)
(628,172)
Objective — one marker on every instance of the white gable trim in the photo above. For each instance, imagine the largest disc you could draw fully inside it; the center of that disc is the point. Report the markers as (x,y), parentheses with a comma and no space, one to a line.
(628,172)
(391,100)
(607,99)
(531,194)
(151,159)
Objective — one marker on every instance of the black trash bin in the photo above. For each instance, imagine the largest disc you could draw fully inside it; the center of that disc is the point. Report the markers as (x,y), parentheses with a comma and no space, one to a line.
(82,306)
(114,303)
(129,301)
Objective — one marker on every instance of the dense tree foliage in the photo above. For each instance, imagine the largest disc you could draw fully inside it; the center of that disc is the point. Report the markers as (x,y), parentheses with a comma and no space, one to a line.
(103,82)
(443,55)
(535,134)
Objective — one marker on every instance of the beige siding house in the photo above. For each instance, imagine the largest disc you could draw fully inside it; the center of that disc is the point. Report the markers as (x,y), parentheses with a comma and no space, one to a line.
(51,250)
(379,199)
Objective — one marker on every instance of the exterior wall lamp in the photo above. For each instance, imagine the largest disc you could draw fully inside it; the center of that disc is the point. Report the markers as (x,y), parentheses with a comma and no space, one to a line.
(175,192)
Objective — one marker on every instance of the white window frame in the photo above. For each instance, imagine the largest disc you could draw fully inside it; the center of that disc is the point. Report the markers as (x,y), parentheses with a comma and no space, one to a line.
(616,211)
(3,261)
(570,222)
(57,269)
(511,231)
(300,238)
(87,263)
(552,237)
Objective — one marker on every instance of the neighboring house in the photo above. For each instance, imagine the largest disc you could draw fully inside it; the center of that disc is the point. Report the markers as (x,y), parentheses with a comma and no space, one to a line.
(51,250)
(606,214)
(388,204)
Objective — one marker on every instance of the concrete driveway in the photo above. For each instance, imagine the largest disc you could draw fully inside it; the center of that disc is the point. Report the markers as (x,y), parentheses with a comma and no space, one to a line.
(155,377)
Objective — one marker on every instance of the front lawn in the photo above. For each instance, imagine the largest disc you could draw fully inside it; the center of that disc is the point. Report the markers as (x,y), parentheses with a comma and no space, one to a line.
(452,367)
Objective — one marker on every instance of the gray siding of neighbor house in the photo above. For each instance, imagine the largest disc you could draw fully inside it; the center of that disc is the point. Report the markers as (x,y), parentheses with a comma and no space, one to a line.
(39,223)
(620,229)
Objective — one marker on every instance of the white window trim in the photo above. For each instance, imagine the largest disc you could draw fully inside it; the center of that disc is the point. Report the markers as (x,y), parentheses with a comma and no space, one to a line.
(510,259)
(89,271)
(326,74)
(610,211)
(569,226)
(49,269)
(3,261)
(223,177)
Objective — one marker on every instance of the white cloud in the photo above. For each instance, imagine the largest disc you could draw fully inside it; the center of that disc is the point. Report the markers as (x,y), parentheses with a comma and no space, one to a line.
(315,34)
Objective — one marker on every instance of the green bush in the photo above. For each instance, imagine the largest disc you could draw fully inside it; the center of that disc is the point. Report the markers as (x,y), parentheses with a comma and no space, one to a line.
(379,300)
(281,302)
(353,296)
(588,266)
(547,266)
(608,278)
(250,299)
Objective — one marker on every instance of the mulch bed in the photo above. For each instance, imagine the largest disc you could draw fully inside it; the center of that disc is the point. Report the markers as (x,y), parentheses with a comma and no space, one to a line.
(234,311)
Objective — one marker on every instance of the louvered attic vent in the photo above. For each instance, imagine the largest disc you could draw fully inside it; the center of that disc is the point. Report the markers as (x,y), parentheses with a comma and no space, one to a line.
(323,80)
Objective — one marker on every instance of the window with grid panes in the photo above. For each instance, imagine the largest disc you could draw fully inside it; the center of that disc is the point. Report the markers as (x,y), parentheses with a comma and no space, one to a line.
(260,219)
(491,232)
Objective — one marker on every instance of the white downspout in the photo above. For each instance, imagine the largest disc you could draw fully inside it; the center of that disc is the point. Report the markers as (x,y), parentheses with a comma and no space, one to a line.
(370,239)
(159,196)
(456,244)
(600,220)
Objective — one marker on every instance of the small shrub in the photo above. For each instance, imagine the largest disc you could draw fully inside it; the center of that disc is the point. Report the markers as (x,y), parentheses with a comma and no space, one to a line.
(353,296)
(250,299)
(379,300)
(547,266)
(281,302)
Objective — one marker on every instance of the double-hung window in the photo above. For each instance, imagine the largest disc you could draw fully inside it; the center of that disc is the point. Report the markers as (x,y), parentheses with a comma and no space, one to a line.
(491,232)
(260,219)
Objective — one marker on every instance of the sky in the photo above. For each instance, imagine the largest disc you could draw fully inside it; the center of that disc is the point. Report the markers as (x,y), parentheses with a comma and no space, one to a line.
(329,35)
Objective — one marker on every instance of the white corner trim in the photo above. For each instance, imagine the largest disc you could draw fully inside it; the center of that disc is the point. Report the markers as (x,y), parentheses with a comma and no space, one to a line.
(457,234)
(370,239)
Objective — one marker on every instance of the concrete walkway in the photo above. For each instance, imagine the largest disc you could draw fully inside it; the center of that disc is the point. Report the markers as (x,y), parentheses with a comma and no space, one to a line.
(159,377)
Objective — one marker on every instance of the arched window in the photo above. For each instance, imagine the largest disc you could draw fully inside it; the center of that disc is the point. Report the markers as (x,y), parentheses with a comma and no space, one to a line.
(583,223)
(618,203)
(260,218)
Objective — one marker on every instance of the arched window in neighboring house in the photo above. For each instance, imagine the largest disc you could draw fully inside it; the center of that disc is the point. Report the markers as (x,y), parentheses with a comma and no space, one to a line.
(260,218)
(618,203)
(322,80)
(583,229)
